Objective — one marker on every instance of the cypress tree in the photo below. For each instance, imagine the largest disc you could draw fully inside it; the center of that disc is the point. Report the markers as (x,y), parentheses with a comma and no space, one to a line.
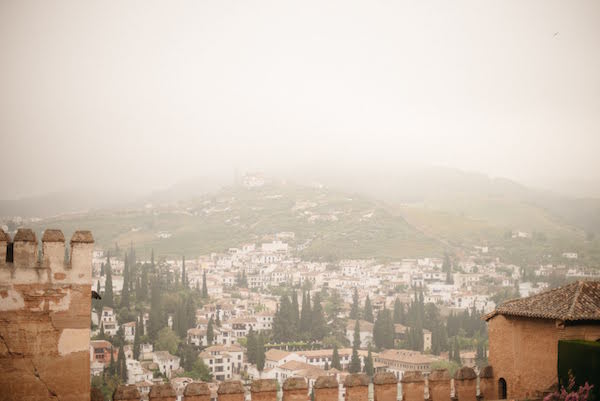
(305,315)
(136,338)
(251,346)
(398,311)
(204,287)
(335,358)
(125,291)
(111,365)
(295,312)
(326,367)
(144,284)
(368,313)
(152,265)
(318,324)
(260,353)
(210,333)
(354,366)
(122,365)
(108,297)
(369,368)
(156,314)
(218,319)
(456,347)
(355,311)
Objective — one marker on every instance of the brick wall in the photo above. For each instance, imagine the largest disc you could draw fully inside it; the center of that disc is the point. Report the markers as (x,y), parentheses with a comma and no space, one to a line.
(45,317)
(524,352)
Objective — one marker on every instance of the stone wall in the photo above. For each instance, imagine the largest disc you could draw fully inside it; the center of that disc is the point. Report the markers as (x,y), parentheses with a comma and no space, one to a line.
(326,388)
(45,307)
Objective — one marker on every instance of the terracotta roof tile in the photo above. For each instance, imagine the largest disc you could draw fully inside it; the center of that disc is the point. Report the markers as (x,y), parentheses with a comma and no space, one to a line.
(576,301)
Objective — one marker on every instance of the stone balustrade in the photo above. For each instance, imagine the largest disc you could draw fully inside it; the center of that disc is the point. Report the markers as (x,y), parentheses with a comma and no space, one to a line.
(415,385)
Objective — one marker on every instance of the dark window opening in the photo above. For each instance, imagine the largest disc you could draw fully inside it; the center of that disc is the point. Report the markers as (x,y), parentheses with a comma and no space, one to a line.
(502,389)
(9,253)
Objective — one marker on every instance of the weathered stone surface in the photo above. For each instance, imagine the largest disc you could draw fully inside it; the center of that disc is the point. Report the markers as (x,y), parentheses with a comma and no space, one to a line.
(465,384)
(82,237)
(357,387)
(263,385)
(295,389)
(126,393)
(52,235)
(385,378)
(326,382)
(385,387)
(4,236)
(231,387)
(412,377)
(196,389)
(162,392)
(439,385)
(295,383)
(25,235)
(486,372)
(358,379)
(44,327)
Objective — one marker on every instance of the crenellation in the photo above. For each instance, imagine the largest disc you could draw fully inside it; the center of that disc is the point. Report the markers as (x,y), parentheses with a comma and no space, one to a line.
(413,386)
(82,247)
(53,253)
(25,249)
(4,241)
(295,389)
(44,321)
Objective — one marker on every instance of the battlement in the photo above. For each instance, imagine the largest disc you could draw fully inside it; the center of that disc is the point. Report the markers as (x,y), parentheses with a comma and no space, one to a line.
(355,387)
(45,313)
(22,263)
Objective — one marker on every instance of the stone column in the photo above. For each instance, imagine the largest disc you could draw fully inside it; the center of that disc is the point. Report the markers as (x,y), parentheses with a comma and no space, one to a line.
(295,389)
(162,392)
(413,386)
(326,388)
(231,390)
(465,384)
(487,388)
(264,390)
(126,393)
(196,392)
(357,387)
(439,385)
(385,386)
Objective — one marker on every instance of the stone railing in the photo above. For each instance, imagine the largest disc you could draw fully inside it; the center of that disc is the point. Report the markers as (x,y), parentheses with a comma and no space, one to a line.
(327,388)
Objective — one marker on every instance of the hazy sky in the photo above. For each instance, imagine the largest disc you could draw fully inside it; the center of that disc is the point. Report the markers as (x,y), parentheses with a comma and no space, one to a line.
(144,93)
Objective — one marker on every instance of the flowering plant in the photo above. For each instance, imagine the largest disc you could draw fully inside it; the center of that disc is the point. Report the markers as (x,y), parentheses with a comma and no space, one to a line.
(569,393)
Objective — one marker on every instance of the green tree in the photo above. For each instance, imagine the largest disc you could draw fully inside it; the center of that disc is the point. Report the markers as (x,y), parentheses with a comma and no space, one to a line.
(157,320)
(335,358)
(144,284)
(200,371)
(260,353)
(136,338)
(368,312)
(112,369)
(204,287)
(354,366)
(319,326)
(122,365)
(108,297)
(167,340)
(251,346)
(125,291)
(210,332)
(355,311)
(456,352)
(398,312)
(305,315)
(295,312)
(369,368)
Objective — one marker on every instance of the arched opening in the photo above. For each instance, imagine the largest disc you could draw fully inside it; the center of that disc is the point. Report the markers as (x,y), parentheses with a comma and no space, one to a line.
(502,389)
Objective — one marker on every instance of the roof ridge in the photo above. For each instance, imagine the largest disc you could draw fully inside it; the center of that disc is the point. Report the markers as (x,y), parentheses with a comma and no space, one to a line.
(574,303)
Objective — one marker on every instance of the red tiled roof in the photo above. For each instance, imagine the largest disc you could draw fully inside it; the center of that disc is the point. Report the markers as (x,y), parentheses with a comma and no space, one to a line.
(576,301)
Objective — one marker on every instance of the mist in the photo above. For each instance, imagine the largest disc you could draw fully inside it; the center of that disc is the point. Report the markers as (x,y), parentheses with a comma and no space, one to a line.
(135,97)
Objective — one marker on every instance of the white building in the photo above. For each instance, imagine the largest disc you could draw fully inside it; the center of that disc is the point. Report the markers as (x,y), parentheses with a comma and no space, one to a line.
(166,362)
